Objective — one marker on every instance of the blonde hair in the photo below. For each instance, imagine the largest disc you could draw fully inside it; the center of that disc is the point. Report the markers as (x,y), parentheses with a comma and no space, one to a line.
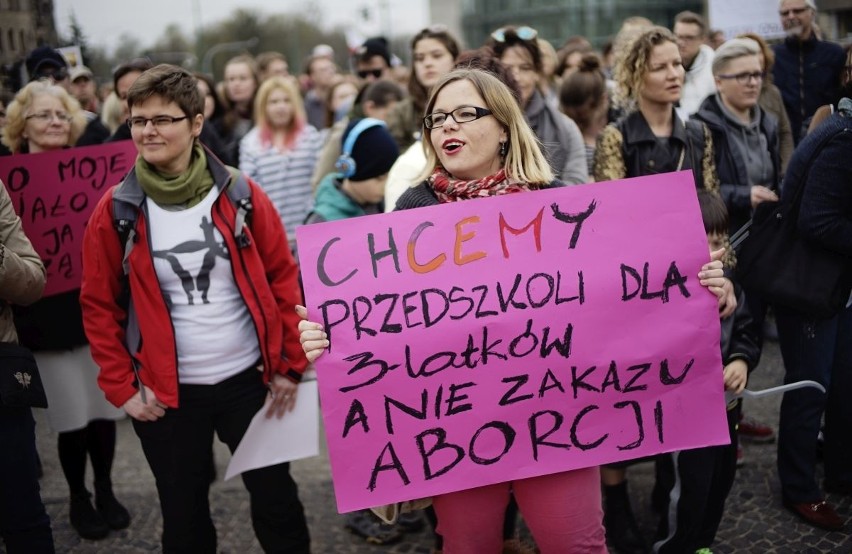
(632,64)
(297,122)
(16,113)
(524,159)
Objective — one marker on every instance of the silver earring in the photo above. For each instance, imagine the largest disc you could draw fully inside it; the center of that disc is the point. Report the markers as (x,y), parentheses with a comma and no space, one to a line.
(504,148)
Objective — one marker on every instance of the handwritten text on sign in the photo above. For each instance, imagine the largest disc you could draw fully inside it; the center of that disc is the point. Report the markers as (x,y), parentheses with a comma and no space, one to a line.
(490,340)
(54,194)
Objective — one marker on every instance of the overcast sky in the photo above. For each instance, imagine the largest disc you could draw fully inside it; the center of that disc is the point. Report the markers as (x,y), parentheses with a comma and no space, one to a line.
(104,21)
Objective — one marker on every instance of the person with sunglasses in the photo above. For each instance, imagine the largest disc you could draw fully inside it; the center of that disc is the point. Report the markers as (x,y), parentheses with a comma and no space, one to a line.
(45,118)
(807,69)
(373,60)
(560,137)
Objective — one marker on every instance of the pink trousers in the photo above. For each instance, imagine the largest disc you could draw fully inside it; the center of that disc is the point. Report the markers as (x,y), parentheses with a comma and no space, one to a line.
(563,511)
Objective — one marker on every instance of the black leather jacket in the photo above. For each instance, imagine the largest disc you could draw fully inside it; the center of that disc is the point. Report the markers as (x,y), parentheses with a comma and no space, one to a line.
(730,165)
(628,148)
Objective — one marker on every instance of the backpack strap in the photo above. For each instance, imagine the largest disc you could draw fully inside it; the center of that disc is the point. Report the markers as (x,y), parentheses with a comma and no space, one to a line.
(239,193)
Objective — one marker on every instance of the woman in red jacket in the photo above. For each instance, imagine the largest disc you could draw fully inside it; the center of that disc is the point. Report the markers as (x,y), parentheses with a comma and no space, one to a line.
(209,328)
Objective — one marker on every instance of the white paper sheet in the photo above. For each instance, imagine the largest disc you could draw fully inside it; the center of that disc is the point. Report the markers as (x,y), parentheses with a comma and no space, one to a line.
(270,441)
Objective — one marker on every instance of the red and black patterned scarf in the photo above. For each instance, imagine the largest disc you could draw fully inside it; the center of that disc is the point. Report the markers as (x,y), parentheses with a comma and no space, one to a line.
(448,189)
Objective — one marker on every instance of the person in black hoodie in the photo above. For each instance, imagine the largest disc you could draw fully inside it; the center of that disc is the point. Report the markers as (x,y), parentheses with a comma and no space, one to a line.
(747,154)
(745,137)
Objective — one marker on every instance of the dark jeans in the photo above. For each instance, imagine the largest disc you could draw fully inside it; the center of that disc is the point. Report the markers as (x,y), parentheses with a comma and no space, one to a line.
(820,350)
(24,525)
(696,492)
(177,447)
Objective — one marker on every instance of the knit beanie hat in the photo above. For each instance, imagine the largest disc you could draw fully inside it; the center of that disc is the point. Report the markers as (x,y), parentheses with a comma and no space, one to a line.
(374,151)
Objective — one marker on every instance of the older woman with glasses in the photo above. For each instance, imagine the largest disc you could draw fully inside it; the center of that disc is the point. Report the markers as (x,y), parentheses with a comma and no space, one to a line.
(193,323)
(44,118)
(563,146)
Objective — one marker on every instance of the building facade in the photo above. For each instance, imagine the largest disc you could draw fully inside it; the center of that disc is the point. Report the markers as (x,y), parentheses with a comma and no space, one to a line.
(24,24)
(556,20)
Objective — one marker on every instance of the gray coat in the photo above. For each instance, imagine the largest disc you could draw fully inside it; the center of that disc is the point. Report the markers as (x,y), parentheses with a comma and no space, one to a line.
(560,138)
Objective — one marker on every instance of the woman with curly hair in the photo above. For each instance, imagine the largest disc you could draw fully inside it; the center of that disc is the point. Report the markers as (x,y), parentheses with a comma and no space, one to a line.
(649,139)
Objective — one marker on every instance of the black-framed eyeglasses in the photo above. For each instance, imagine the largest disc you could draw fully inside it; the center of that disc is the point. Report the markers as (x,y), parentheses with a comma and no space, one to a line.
(159,122)
(364,73)
(523,33)
(46,117)
(462,114)
(744,77)
(794,11)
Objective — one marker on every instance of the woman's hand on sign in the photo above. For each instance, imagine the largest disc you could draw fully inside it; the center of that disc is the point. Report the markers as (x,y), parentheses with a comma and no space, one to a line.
(736,376)
(311,335)
(712,276)
(149,409)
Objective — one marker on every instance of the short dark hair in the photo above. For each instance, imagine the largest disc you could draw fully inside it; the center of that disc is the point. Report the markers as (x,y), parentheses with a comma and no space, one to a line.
(381,93)
(138,64)
(172,84)
(714,213)
(693,18)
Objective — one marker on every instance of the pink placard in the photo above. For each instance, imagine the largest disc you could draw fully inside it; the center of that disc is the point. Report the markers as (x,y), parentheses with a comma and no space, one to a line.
(491,340)
(54,193)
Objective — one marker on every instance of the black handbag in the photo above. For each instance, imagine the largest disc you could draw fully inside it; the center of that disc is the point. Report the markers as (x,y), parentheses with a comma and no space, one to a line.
(20,382)
(779,265)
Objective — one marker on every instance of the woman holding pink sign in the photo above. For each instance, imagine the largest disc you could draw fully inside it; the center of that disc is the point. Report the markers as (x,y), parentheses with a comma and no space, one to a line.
(44,118)
(478,145)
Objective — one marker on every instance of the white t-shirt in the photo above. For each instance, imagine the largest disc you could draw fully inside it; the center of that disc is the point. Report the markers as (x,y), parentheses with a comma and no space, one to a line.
(215,335)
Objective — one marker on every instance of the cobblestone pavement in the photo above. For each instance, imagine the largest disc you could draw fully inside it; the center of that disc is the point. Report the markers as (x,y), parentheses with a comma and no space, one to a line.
(754,521)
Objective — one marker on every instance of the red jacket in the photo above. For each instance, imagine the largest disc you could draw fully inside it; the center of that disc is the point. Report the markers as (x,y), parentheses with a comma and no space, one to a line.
(264,272)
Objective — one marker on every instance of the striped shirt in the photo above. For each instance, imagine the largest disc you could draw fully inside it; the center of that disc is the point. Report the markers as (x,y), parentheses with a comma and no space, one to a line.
(284,176)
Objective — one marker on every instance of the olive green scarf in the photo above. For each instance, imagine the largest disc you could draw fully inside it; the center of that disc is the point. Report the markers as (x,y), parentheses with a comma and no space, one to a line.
(189,188)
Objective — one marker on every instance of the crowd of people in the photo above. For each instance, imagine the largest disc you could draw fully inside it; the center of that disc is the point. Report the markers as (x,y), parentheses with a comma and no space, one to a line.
(188,318)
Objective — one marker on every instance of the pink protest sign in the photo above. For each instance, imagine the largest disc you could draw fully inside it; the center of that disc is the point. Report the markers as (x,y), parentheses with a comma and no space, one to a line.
(491,340)
(54,194)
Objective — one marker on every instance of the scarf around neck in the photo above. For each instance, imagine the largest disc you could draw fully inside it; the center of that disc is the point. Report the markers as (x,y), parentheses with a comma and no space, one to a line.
(449,189)
(189,188)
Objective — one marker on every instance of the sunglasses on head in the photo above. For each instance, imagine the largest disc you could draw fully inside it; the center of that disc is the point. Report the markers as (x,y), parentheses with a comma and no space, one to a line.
(523,33)
(364,73)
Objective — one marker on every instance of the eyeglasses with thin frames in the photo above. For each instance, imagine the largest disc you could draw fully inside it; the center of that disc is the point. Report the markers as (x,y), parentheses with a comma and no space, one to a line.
(745,77)
(462,114)
(160,122)
(46,117)
(794,11)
